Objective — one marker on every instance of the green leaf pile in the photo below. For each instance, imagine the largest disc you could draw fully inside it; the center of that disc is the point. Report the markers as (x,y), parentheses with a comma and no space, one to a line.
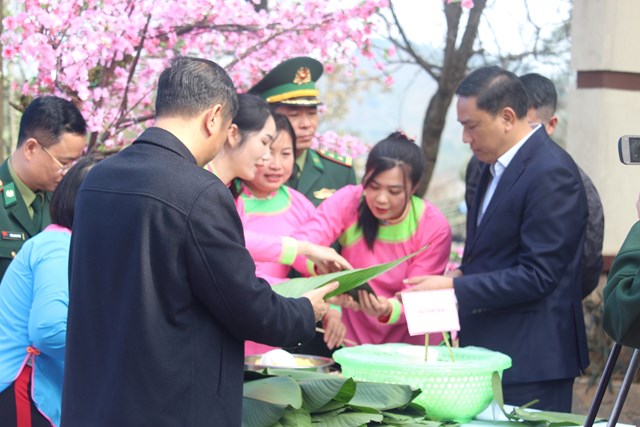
(283,398)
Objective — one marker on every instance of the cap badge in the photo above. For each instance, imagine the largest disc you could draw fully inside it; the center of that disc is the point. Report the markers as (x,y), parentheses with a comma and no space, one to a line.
(303,75)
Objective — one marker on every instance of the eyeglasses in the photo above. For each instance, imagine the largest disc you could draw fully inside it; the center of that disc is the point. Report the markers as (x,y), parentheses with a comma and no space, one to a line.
(62,167)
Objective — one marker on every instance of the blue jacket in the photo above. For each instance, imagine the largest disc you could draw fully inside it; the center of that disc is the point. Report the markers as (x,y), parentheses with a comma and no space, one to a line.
(33,312)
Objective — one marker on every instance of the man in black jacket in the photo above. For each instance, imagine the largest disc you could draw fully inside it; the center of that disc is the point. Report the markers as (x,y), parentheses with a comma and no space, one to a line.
(162,290)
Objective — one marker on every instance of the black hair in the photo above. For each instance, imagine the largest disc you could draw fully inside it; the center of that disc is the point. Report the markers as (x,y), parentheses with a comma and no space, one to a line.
(495,89)
(283,124)
(47,118)
(191,85)
(251,117)
(62,205)
(541,92)
(395,150)
(252,114)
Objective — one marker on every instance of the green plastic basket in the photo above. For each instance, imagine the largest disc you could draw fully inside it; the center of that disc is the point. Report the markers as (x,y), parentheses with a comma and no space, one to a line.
(451,391)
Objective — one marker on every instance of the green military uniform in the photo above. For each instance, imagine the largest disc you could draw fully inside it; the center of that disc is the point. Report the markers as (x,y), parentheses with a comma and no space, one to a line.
(621,314)
(16,222)
(292,83)
(323,173)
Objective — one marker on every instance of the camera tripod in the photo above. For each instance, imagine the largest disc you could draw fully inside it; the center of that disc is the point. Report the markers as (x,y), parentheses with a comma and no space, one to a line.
(604,382)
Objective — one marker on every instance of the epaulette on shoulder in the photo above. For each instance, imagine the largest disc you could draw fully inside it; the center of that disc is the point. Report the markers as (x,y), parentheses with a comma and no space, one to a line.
(336,158)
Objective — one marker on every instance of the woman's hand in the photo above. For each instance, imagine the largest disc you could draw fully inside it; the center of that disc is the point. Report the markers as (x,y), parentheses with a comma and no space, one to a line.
(372,305)
(334,329)
(326,259)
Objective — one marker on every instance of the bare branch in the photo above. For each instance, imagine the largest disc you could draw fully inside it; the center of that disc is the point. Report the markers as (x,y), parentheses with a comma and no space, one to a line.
(406,45)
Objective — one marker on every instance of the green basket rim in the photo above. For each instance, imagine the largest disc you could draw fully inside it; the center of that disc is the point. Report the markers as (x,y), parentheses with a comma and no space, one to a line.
(379,355)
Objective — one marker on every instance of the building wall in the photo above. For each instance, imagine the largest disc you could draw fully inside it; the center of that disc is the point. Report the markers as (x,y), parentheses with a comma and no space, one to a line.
(606,105)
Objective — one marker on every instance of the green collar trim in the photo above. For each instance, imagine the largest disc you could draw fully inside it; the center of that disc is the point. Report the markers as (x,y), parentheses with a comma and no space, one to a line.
(275,205)
(393,233)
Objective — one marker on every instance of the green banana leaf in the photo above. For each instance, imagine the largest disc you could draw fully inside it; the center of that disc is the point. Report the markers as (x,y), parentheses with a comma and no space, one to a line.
(523,415)
(345,419)
(295,418)
(318,389)
(265,400)
(371,395)
(348,279)
(327,399)
(396,419)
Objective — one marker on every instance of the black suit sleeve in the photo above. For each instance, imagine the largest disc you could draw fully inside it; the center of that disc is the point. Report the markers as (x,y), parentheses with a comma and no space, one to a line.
(223,278)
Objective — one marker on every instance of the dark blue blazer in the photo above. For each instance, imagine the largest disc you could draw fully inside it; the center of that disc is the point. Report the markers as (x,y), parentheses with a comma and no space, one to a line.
(520,293)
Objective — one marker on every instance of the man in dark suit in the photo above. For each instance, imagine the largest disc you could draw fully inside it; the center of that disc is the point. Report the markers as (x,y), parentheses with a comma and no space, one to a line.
(162,289)
(543,99)
(290,88)
(51,138)
(518,287)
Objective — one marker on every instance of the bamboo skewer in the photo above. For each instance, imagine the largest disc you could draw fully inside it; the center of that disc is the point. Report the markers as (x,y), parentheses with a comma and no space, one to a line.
(426,347)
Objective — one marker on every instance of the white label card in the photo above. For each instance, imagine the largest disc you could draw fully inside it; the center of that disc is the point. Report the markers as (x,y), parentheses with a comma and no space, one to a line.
(431,311)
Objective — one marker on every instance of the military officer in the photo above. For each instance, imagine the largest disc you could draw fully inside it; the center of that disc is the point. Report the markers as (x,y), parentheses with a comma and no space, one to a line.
(51,138)
(290,88)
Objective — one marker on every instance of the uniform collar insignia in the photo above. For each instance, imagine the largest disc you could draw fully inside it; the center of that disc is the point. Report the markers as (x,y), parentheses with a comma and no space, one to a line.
(9,194)
(324,193)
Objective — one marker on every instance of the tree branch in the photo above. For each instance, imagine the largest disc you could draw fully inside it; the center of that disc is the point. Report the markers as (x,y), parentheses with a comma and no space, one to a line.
(407,47)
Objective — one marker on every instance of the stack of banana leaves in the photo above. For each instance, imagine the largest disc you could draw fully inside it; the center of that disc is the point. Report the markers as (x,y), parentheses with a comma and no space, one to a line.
(288,398)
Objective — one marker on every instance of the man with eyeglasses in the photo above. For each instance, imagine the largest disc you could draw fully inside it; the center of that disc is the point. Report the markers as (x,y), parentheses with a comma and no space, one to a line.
(51,138)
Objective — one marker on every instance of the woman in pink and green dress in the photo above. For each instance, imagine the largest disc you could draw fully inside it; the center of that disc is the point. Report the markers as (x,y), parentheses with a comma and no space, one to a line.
(377,222)
(273,208)
(246,149)
(246,152)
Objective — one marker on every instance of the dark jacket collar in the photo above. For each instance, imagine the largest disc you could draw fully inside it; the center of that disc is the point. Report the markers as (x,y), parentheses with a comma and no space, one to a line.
(165,139)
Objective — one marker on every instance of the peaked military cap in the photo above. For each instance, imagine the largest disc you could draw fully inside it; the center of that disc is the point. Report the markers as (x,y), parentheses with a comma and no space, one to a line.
(293,82)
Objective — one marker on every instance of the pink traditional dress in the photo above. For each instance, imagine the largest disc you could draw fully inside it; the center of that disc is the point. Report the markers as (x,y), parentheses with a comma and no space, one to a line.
(423,224)
(263,246)
(280,214)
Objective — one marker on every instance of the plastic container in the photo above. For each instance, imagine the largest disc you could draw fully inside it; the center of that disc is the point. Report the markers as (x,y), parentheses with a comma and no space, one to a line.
(451,390)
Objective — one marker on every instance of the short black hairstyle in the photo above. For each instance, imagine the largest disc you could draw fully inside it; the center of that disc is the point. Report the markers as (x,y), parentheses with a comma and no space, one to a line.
(252,115)
(62,205)
(284,125)
(394,150)
(191,85)
(495,89)
(541,92)
(46,118)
